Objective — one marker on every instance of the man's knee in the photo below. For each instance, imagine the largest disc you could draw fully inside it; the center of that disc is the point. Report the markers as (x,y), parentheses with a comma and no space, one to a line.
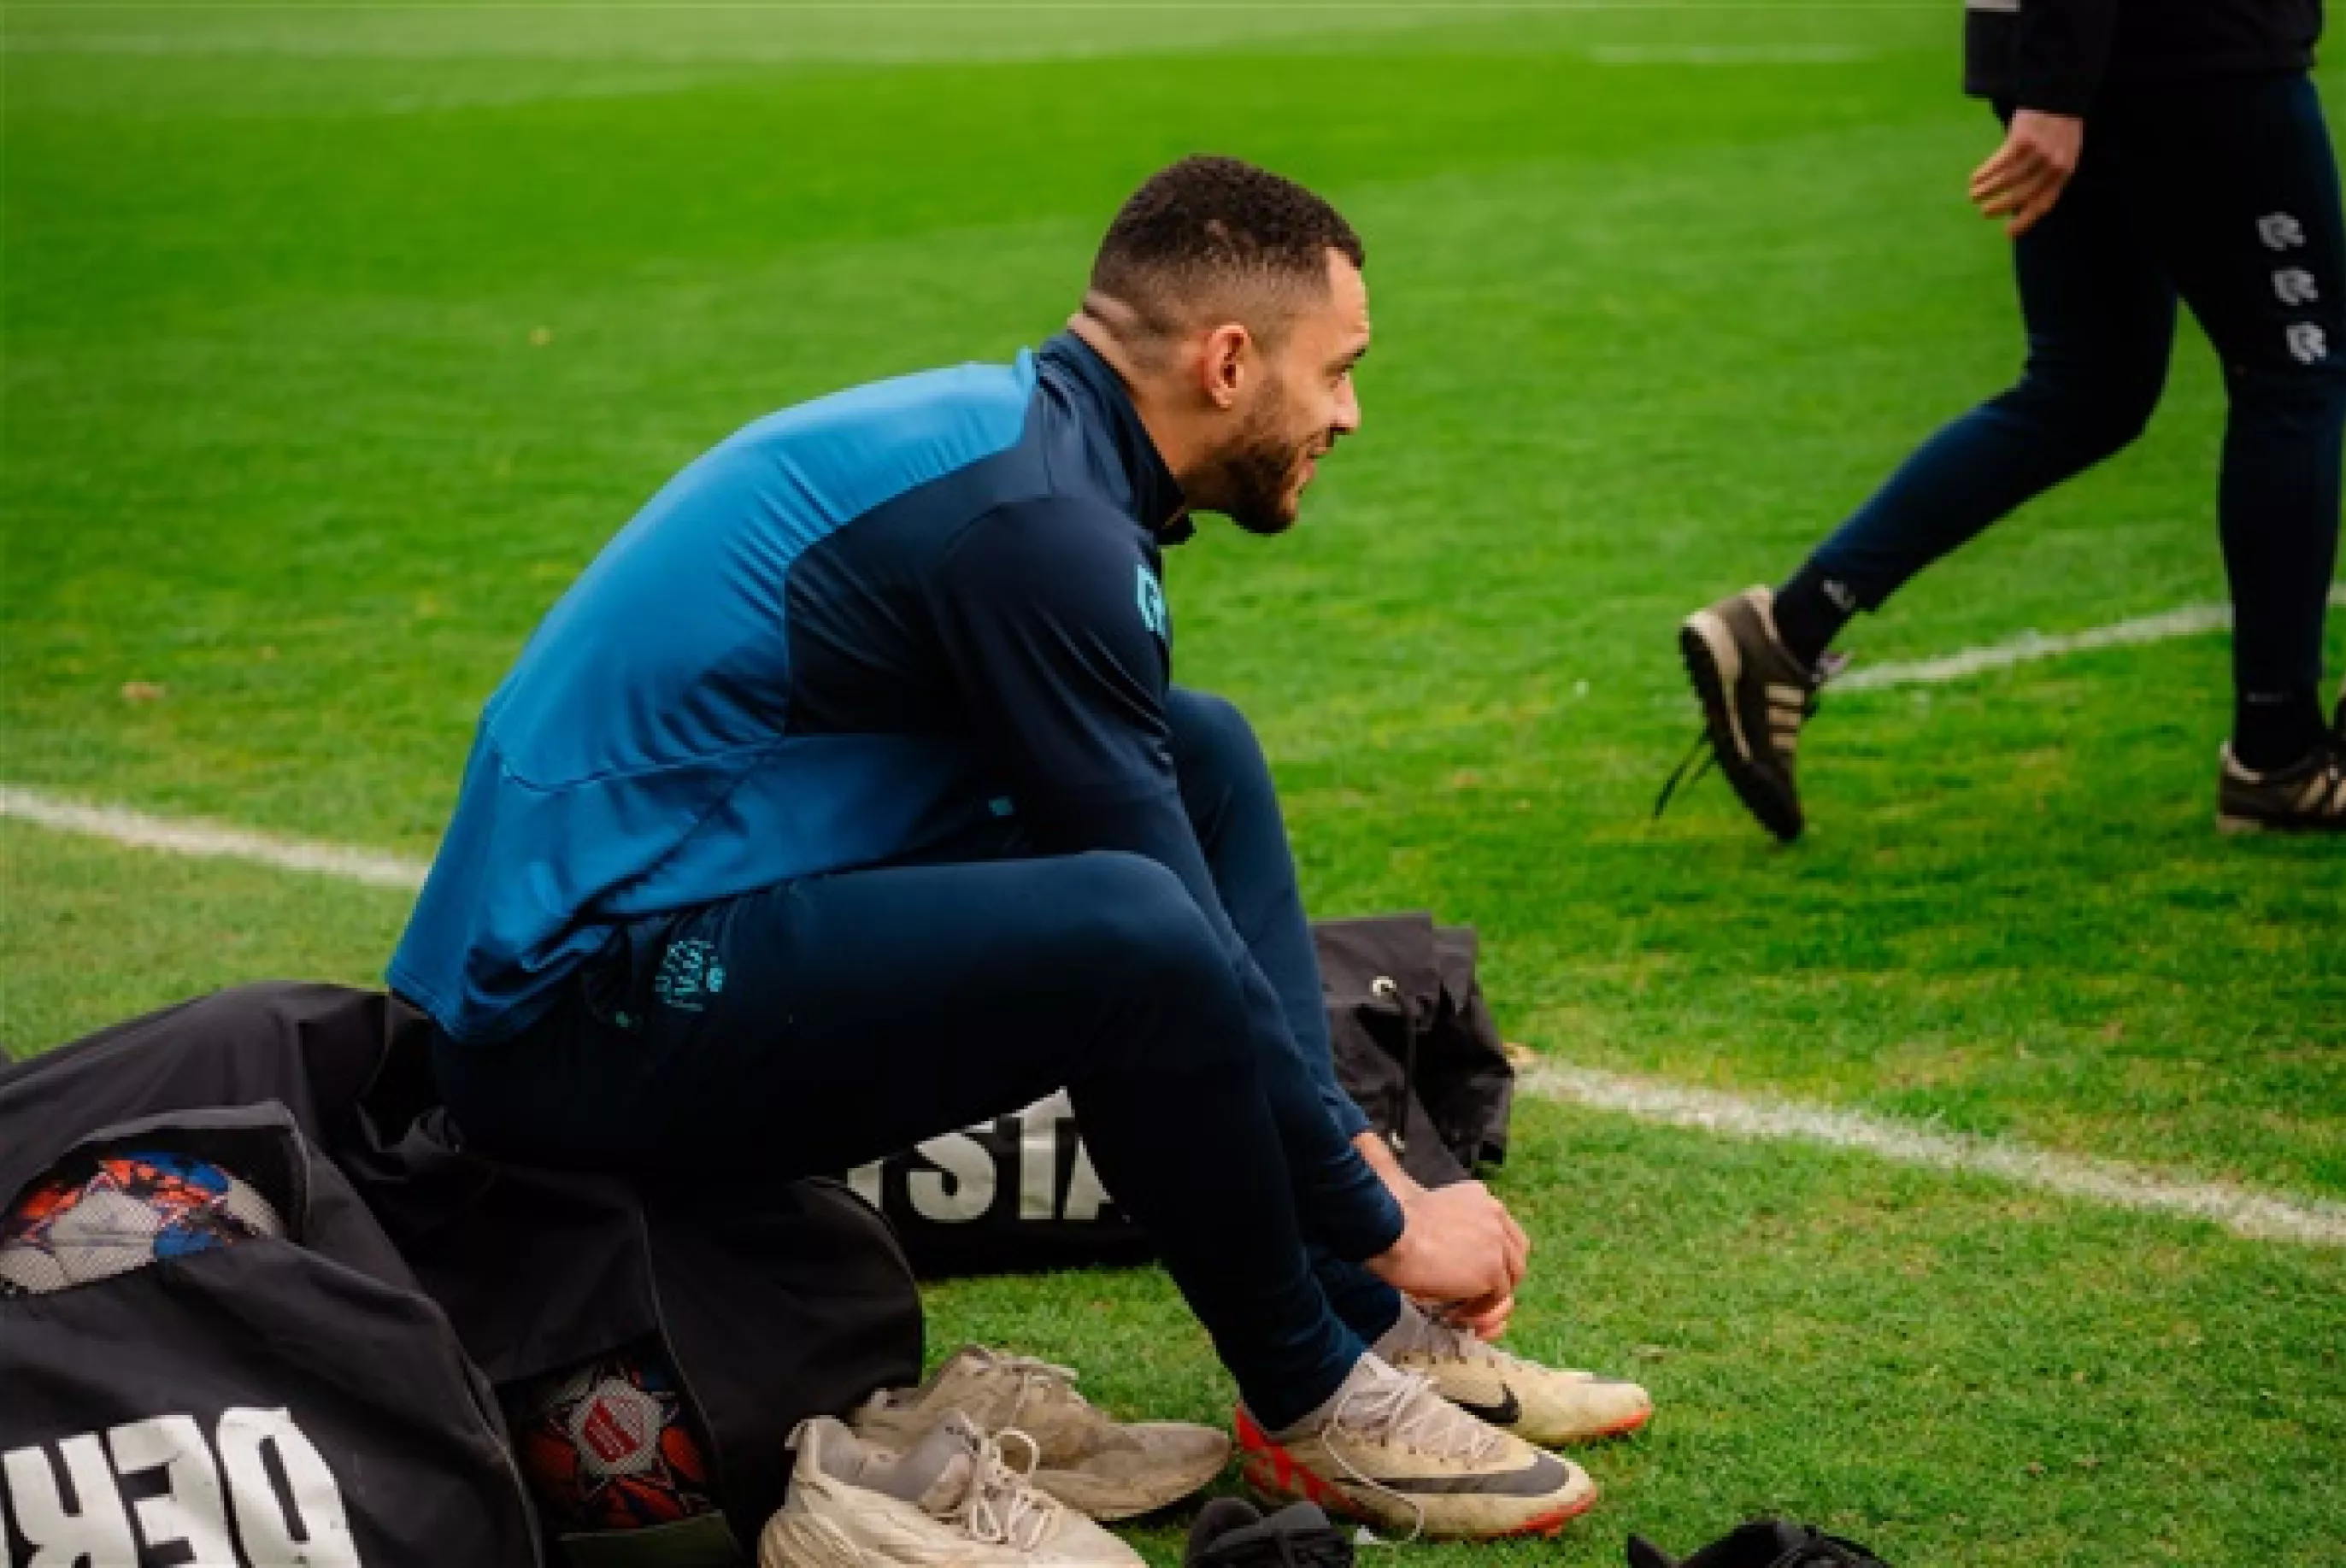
(1212,741)
(2098,410)
(1150,945)
(2306,397)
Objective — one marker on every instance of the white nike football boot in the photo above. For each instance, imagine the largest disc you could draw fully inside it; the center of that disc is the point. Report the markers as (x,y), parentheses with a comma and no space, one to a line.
(1394,1453)
(1543,1405)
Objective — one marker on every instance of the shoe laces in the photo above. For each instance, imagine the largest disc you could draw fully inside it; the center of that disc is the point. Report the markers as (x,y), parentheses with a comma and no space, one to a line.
(1001,1506)
(1394,1406)
(1039,1380)
(1827,666)
(1403,1408)
(1444,1340)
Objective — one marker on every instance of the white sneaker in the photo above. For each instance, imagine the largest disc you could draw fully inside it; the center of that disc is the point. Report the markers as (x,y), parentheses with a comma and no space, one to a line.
(1394,1452)
(1095,1465)
(951,1502)
(1543,1405)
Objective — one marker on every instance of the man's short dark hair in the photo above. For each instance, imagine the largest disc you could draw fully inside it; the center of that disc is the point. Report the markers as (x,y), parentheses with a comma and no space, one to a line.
(1207,230)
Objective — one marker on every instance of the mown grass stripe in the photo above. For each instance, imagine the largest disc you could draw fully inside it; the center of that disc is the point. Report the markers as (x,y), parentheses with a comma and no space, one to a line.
(2259,1215)
(140,830)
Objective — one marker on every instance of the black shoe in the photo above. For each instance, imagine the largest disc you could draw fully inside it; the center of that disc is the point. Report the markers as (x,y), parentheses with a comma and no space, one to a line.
(1762,1544)
(1231,1532)
(1756,693)
(2308,795)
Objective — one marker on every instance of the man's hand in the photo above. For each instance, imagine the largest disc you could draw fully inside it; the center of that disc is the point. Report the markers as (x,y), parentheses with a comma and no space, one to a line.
(1458,1244)
(1485,1319)
(2030,170)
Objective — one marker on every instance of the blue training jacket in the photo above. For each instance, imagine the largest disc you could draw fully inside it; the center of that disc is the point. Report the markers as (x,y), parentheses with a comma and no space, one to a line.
(853,632)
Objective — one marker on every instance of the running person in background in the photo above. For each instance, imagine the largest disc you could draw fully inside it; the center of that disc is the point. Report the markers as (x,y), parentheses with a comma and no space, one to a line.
(844,801)
(2154,149)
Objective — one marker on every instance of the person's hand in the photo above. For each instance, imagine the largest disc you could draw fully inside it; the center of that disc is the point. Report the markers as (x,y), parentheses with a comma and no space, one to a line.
(2029,171)
(1458,1244)
(1485,1319)
(1486,1322)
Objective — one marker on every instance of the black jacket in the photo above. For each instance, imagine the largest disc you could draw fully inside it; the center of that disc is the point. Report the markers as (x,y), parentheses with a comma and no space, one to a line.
(2059,54)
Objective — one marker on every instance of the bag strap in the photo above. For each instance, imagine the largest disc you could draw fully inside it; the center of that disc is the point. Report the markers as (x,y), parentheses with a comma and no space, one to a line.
(1388,989)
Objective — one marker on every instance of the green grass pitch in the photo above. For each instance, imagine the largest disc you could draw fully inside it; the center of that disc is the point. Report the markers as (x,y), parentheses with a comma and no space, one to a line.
(338,337)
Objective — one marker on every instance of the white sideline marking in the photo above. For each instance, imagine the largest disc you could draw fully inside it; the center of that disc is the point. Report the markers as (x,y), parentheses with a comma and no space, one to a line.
(2260,1216)
(2191,620)
(210,842)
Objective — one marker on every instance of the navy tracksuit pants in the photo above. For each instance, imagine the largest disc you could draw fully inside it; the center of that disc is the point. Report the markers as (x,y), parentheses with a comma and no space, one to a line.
(2224,193)
(840,1018)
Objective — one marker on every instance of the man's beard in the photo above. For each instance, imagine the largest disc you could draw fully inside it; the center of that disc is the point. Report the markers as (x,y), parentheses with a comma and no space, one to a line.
(1253,480)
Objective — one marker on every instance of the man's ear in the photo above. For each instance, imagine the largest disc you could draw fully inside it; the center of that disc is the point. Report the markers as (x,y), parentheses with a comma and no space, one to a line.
(1225,363)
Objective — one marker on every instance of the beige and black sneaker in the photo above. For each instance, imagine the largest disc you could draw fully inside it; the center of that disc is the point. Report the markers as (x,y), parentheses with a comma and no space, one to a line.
(1397,1454)
(951,1502)
(1542,1405)
(2308,797)
(1755,694)
(1104,1468)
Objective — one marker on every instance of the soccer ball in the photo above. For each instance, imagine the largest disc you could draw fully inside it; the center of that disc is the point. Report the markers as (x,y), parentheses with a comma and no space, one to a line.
(605,1445)
(130,1210)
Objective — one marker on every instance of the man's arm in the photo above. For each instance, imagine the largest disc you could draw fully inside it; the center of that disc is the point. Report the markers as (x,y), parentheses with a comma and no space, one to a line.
(1317,1054)
(1485,1318)
(1382,1160)
(1063,671)
(2060,49)
(1064,674)
(2024,178)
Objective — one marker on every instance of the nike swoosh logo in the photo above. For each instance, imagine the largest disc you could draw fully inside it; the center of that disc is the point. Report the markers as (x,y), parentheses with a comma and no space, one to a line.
(1506,1413)
(1538,1478)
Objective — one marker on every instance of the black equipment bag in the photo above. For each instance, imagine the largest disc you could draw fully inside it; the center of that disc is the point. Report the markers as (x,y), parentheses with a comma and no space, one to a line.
(272,1401)
(1415,1047)
(773,1301)
(1015,1192)
(312,1049)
